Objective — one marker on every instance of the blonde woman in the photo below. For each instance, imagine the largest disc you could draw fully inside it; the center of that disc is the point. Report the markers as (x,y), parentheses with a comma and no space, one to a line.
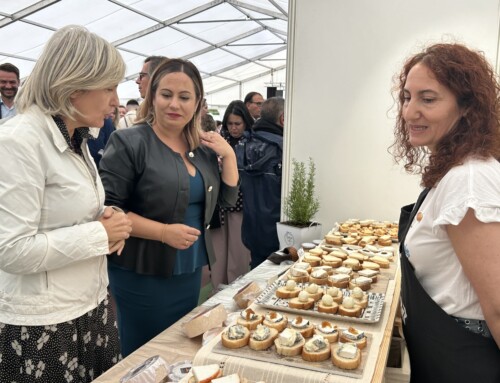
(56,323)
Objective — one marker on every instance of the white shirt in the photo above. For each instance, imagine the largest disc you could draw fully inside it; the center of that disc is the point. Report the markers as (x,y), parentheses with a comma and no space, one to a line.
(7,112)
(52,249)
(473,185)
(128,120)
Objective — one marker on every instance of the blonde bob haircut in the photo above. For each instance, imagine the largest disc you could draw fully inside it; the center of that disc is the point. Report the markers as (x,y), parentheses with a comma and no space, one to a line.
(74,59)
(146,112)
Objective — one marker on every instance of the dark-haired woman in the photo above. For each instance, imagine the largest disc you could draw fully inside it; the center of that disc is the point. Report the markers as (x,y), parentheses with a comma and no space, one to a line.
(164,172)
(448,131)
(233,258)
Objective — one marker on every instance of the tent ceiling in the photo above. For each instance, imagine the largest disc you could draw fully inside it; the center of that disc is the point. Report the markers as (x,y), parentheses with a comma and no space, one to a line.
(230,41)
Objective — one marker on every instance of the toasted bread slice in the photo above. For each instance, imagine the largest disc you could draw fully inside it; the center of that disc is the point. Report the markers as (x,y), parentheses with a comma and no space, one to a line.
(284,350)
(347,357)
(235,336)
(262,344)
(316,355)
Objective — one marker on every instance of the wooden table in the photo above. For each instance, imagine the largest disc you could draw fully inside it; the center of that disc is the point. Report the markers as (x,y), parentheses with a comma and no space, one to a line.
(173,346)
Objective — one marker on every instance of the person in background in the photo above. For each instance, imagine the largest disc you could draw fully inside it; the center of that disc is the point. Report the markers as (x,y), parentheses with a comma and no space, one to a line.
(97,144)
(164,173)
(56,321)
(132,104)
(208,123)
(9,84)
(142,81)
(447,130)
(204,108)
(122,110)
(260,157)
(218,124)
(253,101)
(232,257)
(128,119)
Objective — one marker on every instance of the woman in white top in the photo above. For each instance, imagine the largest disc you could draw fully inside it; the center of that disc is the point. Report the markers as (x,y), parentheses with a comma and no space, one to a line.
(448,131)
(55,321)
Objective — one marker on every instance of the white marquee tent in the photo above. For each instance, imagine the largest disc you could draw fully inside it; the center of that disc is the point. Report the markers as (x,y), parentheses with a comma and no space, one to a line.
(238,46)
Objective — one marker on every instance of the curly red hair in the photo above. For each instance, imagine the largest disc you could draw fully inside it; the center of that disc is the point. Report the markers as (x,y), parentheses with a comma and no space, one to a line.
(472,80)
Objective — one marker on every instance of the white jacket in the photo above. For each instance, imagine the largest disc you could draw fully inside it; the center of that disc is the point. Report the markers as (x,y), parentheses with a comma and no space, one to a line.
(52,249)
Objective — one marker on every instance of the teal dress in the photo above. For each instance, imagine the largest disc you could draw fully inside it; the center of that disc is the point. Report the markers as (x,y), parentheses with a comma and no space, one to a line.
(194,257)
(149,304)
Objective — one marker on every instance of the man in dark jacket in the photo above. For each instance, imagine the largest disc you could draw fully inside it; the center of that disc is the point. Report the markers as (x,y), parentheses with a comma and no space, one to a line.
(260,158)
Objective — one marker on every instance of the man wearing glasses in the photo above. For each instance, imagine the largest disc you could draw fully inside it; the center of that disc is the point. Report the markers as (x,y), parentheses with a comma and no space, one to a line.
(253,102)
(142,80)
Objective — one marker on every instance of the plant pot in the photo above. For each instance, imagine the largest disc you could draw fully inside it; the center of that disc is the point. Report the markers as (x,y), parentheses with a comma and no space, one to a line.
(296,236)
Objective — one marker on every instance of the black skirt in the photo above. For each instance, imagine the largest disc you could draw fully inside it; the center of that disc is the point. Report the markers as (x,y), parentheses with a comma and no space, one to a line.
(75,351)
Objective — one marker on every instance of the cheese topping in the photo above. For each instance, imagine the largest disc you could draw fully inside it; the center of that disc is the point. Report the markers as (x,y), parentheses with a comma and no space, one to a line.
(362,281)
(291,285)
(333,291)
(353,334)
(367,273)
(261,333)
(236,331)
(312,288)
(300,322)
(339,277)
(296,272)
(357,293)
(338,253)
(319,274)
(331,258)
(312,258)
(348,303)
(315,344)
(327,269)
(289,337)
(327,328)
(343,270)
(248,314)
(274,317)
(327,300)
(302,265)
(347,351)
(303,296)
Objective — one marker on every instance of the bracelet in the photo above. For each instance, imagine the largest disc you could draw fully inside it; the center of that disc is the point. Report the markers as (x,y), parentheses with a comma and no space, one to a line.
(163,233)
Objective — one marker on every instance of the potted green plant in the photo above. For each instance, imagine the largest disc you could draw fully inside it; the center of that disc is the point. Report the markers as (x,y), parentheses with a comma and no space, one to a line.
(300,207)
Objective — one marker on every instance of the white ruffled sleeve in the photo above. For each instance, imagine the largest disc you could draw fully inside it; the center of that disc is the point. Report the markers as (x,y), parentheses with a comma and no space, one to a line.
(474,185)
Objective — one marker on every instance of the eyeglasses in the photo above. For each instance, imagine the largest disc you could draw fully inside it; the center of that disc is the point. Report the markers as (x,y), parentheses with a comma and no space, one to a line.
(142,74)
(256,103)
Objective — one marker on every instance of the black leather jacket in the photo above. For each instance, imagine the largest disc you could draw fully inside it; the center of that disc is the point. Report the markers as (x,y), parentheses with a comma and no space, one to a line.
(143,175)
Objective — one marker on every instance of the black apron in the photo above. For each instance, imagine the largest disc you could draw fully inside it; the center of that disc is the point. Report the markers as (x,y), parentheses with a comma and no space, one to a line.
(440,349)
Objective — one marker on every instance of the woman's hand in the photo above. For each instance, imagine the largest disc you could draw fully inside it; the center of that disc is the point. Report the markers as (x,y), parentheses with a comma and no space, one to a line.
(180,236)
(117,246)
(117,225)
(217,143)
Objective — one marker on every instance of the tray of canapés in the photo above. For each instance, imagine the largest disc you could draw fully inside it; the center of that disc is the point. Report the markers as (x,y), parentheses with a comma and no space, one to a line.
(327,302)
(328,281)
(363,232)
(297,342)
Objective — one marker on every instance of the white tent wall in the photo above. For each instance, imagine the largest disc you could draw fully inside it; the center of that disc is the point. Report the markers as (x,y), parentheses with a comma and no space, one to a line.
(220,99)
(342,56)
